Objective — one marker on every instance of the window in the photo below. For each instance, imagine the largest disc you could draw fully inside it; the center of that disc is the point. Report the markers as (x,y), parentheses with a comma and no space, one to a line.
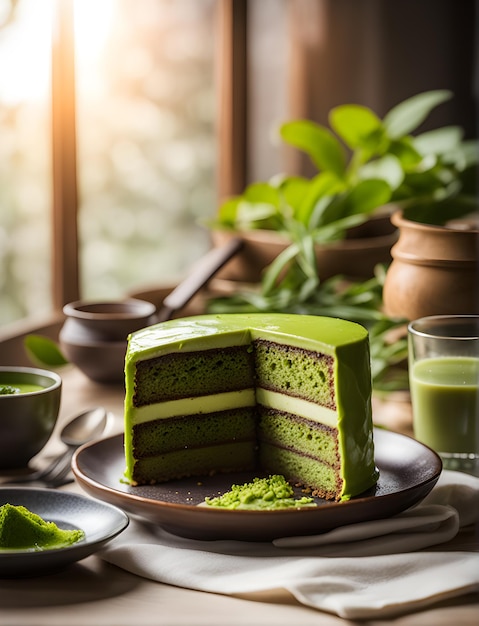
(141,164)
(25,163)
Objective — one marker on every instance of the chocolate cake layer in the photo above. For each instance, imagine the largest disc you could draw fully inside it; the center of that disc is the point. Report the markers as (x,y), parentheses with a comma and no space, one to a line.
(192,431)
(182,374)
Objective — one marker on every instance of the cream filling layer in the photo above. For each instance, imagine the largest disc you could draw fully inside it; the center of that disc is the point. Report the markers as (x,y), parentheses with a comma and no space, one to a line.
(297,406)
(192,406)
(235,400)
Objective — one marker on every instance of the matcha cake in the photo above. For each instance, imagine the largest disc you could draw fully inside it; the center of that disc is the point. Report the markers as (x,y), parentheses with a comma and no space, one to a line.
(286,394)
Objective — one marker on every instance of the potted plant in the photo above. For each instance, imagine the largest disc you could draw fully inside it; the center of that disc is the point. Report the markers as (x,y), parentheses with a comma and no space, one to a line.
(427,177)
(435,266)
(365,166)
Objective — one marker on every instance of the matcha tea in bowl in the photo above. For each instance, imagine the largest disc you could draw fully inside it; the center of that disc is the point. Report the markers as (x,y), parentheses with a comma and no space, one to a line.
(444,382)
(29,406)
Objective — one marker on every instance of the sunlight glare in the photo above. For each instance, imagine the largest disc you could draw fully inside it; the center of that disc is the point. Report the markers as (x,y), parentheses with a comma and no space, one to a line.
(25,50)
(93,21)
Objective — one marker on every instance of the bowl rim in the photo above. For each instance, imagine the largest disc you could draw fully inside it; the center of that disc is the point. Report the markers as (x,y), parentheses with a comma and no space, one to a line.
(34,371)
(134,308)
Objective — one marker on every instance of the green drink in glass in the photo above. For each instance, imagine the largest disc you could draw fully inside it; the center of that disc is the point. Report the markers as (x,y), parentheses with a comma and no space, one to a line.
(444,382)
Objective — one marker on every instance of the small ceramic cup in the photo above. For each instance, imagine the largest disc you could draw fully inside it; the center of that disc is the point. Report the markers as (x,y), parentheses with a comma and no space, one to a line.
(94,335)
(29,406)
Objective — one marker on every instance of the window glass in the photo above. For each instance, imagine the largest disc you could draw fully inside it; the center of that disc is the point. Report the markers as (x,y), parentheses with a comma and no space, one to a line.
(25,168)
(146,146)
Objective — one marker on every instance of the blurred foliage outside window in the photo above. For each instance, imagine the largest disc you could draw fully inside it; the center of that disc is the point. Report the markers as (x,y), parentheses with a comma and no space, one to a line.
(25,167)
(145,138)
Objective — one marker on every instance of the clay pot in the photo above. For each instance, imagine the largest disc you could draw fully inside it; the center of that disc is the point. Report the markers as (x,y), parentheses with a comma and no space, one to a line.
(356,256)
(94,335)
(434,271)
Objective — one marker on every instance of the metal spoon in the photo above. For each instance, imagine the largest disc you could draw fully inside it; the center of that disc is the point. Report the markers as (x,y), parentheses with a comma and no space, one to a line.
(89,425)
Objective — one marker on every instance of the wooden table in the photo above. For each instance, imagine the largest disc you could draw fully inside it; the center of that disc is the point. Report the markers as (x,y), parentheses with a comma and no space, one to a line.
(94,592)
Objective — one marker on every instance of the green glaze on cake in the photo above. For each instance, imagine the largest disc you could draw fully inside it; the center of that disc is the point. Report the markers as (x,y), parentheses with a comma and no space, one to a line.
(261,494)
(20,529)
(312,372)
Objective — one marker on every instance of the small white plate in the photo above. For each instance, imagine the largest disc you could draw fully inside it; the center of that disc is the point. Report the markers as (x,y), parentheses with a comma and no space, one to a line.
(100,522)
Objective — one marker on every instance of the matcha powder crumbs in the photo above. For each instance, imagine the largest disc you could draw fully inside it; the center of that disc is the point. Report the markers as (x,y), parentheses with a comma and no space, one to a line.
(20,529)
(269,493)
(8,390)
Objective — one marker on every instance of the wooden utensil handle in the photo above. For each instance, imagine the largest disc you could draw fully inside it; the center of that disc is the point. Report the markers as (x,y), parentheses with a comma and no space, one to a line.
(204,270)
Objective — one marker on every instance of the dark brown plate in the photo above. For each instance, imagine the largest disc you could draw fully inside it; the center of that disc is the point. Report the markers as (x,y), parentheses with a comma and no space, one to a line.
(99,521)
(408,472)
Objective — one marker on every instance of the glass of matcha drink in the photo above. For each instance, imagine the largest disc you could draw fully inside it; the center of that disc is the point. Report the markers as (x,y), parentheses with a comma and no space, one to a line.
(444,382)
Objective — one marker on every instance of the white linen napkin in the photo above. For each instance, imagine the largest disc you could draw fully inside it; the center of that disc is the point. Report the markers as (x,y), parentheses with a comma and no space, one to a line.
(365,570)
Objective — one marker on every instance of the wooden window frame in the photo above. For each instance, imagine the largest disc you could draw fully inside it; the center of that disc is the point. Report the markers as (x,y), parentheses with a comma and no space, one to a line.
(65,260)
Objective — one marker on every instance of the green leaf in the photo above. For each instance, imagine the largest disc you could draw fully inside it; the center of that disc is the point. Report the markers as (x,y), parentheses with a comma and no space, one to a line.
(403,149)
(274,270)
(306,258)
(227,212)
(43,351)
(320,188)
(293,190)
(439,141)
(471,149)
(411,113)
(327,209)
(366,196)
(387,168)
(259,207)
(463,156)
(425,179)
(357,125)
(251,214)
(318,142)
(336,230)
(262,193)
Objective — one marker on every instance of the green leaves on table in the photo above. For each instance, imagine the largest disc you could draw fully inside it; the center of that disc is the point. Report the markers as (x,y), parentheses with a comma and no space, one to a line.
(44,352)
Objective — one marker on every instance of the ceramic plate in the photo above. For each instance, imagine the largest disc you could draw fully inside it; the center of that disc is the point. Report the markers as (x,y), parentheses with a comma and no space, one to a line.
(99,521)
(408,472)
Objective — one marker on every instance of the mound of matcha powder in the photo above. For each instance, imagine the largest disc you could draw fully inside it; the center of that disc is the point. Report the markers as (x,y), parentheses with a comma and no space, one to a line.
(269,493)
(20,529)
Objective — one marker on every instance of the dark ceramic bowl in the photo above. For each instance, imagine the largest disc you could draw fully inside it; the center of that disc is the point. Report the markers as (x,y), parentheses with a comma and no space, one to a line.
(27,417)
(101,361)
(94,336)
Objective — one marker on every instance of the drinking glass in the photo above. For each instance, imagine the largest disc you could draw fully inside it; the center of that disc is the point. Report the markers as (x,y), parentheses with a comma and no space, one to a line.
(444,383)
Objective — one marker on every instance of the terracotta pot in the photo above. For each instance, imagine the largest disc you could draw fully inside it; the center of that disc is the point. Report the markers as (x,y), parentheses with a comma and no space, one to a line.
(356,256)
(434,271)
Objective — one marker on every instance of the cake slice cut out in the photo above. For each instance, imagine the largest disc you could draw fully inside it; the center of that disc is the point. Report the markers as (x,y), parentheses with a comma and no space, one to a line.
(275,393)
